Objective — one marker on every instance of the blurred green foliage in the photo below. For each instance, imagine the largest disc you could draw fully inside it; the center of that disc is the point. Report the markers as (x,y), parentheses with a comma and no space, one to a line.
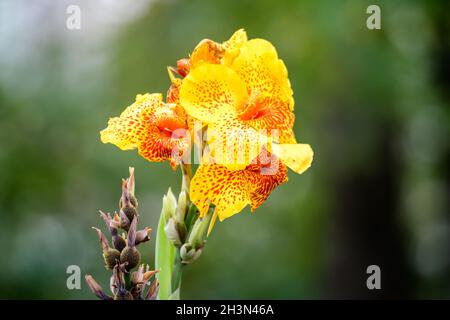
(355,89)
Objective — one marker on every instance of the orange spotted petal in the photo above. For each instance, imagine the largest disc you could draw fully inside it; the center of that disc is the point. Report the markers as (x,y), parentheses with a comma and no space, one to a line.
(264,112)
(207,51)
(260,68)
(264,176)
(128,129)
(210,91)
(230,191)
(157,129)
(233,46)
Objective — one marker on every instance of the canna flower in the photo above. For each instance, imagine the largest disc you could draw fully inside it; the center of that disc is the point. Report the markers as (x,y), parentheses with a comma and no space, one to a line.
(241,91)
(156,128)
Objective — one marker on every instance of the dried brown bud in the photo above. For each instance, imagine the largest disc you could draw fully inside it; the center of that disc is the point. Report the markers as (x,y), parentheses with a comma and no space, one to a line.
(143,235)
(153,291)
(96,288)
(117,282)
(129,211)
(117,241)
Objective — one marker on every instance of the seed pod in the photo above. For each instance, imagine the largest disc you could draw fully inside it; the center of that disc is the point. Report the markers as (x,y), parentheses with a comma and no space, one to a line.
(111,256)
(129,211)
(131,256)
(118,242)
(133,201)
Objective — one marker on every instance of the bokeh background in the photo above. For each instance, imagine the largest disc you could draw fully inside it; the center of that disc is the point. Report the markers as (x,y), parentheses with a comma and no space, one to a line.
(374,104)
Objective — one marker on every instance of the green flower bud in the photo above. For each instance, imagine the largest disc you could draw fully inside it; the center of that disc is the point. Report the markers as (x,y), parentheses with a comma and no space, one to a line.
(169,205)
(172,232)
(182,206)
(189,254)
(197,235)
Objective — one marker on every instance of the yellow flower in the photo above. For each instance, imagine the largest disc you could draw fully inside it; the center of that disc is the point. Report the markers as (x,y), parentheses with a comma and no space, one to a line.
(241,91)
(242,99)
(157,129)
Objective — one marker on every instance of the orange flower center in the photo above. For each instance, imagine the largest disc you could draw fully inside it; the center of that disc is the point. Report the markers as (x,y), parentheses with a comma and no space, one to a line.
(255,108)
(172,128)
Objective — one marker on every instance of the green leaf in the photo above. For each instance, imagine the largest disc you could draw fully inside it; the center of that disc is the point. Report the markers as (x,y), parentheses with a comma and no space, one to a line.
(164,259)
(175,295)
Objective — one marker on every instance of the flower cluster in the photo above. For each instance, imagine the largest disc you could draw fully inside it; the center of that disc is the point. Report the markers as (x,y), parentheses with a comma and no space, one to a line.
(235,95)
(122,256)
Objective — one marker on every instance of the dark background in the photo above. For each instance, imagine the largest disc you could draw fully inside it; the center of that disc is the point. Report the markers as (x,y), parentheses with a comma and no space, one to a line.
(374,105)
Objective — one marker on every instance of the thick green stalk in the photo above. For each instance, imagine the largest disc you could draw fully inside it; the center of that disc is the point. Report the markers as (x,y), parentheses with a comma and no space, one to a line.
(177,274)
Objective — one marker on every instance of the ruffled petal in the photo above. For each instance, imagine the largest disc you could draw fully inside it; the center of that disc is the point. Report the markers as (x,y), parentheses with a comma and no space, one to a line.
(207,51)
(128,129)
(156,128)
(259,67)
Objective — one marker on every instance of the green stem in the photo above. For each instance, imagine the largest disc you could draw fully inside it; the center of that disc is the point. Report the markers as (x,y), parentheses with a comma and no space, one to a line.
(127,277)
(177,273)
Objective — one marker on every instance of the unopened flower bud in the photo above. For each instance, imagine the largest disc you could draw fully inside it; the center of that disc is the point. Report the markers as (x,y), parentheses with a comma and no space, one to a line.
(189,254)
(96,288)
(169,205)
(197,235)
(172,232)
(182,206)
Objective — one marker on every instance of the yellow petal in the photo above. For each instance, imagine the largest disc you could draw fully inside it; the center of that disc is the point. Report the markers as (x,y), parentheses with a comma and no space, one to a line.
(228,190)
(258,65)
(157,129)
(207,51)
(128,129)
(297,157)
(233,143)
(233,45)
(265,112)
(210,91)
